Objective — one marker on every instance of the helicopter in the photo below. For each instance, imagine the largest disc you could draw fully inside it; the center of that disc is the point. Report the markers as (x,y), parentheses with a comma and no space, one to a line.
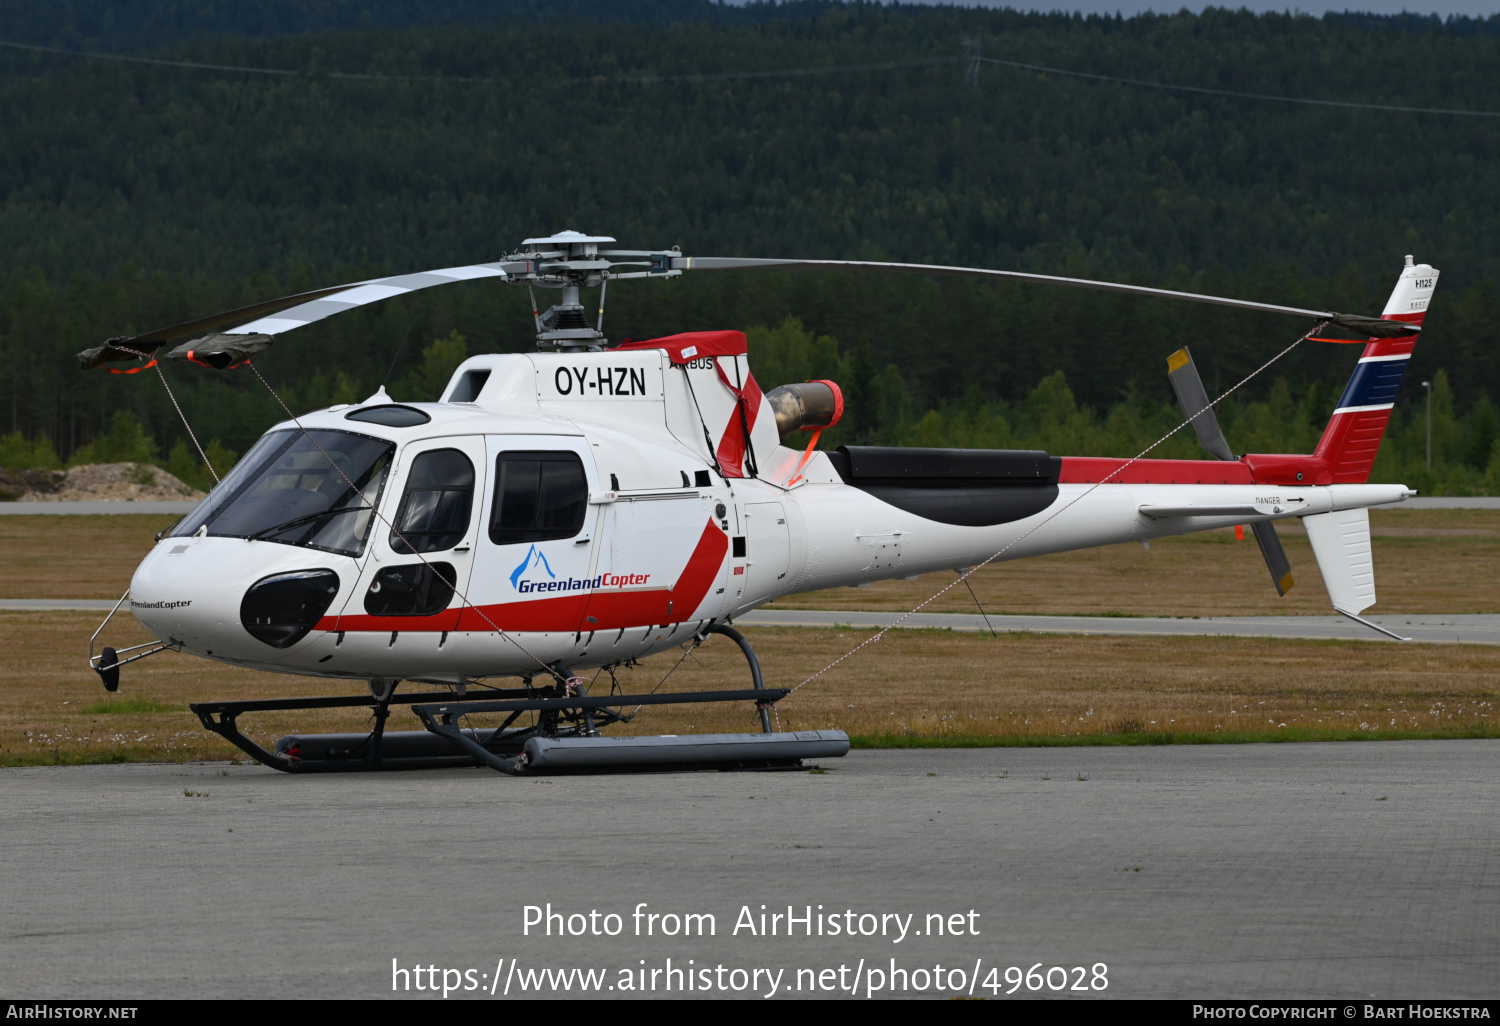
(590,504)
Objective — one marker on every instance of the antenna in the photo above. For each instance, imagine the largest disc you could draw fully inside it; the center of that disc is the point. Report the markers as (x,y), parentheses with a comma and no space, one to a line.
(387,379)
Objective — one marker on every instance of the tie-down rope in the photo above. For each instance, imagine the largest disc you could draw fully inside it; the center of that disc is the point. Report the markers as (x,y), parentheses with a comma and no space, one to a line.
(159,371)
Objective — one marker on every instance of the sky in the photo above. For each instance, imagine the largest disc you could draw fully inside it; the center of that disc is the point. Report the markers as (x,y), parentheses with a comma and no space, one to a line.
(1442,8)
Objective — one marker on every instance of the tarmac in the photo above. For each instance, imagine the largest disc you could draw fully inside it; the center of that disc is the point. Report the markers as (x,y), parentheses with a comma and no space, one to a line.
(1340,871)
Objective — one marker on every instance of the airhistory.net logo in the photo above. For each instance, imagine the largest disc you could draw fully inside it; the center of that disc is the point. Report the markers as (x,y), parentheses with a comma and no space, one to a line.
(535,563)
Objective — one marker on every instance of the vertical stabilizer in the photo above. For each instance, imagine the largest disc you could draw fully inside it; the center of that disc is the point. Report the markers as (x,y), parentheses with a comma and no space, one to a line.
(1341,543)
(1352,438)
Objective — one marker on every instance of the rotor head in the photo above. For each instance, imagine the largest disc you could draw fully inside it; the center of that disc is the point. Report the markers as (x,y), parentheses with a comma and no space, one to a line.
(571,261)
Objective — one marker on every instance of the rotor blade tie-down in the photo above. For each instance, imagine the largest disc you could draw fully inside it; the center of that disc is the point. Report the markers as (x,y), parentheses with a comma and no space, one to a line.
(163,375)
(190,358)
(963,578)
(739,404)
(811,445)
(133,370)
(463,596)
(979,605)
(687,650)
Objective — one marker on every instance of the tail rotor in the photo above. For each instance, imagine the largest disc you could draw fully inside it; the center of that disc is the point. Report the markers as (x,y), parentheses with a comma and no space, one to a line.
(1193,398)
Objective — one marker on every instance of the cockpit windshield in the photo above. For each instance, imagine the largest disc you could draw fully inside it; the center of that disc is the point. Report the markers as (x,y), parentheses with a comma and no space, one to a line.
(317,489)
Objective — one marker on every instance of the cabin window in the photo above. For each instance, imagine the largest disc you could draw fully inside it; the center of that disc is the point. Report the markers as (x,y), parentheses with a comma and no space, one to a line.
(538,496)
(417,589)
(434,512)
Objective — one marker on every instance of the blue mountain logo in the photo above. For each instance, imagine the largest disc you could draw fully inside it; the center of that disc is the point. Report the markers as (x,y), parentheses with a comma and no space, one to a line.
(534,558)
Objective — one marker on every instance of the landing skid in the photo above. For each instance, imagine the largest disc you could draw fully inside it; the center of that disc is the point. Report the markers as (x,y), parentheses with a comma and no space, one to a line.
(445,744)
(564,736)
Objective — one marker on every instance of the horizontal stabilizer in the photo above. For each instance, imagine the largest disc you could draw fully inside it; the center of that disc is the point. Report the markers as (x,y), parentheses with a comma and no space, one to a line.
(1203,510)
(1341,543)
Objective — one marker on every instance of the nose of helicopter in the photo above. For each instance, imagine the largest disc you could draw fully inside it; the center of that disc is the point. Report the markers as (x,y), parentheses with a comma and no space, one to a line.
(235,599)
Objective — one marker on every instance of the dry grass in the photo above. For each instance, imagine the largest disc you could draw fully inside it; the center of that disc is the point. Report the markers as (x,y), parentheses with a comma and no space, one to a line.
(75,557)
(1426,561)
(913,687)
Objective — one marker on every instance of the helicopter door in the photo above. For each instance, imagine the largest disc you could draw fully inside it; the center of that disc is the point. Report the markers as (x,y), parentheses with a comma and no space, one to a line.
(423,557)
(768,550)
(535,553)
(662,563)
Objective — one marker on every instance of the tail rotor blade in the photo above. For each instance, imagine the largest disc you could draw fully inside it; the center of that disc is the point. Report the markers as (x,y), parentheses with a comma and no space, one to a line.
(1194,399)
(1276,561)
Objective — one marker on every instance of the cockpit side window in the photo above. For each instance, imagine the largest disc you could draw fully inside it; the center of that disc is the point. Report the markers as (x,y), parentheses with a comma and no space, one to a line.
(434,512)
(538,496)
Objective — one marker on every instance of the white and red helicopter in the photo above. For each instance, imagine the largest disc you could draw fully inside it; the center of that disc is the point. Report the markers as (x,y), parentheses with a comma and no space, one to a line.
(588,505)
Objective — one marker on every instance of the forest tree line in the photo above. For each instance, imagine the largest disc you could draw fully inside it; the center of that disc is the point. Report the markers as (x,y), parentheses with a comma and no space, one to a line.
(133,196)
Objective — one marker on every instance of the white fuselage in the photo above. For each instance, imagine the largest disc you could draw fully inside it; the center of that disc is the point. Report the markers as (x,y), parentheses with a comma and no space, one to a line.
(665,545)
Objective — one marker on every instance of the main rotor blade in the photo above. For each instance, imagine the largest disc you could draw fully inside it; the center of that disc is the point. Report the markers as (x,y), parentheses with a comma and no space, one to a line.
(1183,374)
(150,341)
(1355,322)
(364,293)
(1275,555)
(278,316)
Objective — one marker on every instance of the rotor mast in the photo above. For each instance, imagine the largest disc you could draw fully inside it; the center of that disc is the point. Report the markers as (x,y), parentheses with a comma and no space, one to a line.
(569,262)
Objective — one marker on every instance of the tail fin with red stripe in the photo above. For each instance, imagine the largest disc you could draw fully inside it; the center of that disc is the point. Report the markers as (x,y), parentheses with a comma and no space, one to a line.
(1352,438)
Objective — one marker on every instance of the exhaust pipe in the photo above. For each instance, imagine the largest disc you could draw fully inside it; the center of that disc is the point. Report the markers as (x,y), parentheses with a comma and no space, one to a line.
(808,406)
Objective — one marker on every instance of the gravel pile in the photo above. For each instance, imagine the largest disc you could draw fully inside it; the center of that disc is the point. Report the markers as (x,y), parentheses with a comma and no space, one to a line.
(95,482)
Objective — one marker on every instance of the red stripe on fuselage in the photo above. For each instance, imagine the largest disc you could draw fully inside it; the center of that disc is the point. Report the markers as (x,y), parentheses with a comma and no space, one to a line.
(610,609)
(1093,469)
